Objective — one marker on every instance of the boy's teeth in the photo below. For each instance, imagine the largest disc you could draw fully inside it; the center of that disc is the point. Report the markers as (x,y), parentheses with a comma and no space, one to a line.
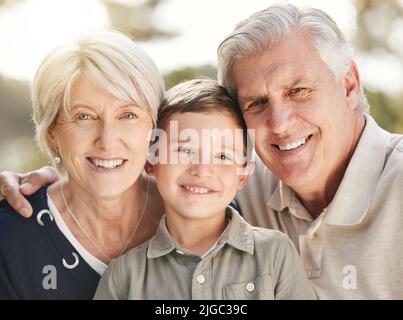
(108,164)
(196,189)
(293,145)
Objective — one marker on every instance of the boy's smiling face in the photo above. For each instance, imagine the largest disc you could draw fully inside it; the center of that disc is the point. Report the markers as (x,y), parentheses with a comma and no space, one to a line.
(202,174)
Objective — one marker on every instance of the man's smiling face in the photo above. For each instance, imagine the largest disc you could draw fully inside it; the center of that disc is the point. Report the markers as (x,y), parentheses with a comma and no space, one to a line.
(305,119)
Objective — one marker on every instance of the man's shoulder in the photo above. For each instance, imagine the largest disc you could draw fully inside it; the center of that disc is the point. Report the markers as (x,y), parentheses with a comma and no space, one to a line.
(394,156)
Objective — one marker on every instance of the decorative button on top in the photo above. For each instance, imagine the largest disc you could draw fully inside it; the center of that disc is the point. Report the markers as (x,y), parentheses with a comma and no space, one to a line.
(74,264)
(250,287)
(200,279)
(41,213)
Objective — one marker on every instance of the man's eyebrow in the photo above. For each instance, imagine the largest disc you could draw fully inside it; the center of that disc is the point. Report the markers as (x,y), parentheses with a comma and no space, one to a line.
(245,99)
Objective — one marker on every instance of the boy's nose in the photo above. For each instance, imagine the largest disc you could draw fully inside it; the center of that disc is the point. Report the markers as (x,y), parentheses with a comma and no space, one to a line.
(201,170)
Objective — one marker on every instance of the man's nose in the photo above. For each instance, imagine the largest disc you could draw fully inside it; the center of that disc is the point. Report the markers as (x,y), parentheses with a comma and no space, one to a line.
(280,117)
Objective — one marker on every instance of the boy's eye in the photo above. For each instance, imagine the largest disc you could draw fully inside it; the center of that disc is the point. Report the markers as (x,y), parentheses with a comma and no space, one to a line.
(223,156)
(187,150)
(129,116)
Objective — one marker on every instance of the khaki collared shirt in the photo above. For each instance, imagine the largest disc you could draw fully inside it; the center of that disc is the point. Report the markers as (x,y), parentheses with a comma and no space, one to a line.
(354,249)
(246,263)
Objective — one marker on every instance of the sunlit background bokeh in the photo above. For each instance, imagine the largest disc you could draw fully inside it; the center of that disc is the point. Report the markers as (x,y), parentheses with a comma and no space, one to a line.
(182,37)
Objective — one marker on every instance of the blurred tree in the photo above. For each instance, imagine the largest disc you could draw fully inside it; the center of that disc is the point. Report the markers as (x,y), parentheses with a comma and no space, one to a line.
(18,150)
(379,29)
(135,19)
(189,73)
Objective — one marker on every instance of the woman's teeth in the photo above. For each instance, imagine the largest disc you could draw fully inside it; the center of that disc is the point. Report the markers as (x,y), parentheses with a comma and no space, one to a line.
(108,164)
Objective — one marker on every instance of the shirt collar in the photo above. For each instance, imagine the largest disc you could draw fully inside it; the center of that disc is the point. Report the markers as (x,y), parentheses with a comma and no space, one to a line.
(353,197)
(356,191)
(238,234)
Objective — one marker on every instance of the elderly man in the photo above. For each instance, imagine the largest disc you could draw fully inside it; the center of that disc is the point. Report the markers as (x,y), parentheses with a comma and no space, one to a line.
(328,175)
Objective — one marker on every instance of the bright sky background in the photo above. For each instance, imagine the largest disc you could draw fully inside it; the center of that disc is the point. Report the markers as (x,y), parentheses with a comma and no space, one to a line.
(31,28)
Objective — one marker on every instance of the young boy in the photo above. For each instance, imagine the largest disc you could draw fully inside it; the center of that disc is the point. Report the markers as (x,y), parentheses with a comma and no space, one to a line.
(203,249)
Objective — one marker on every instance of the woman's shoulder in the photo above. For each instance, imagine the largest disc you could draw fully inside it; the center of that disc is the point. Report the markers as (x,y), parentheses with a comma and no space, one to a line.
(11,219)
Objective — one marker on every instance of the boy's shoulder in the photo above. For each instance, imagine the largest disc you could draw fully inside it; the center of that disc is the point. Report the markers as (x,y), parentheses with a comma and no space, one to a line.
(133,258)
(268,238)
(264,239)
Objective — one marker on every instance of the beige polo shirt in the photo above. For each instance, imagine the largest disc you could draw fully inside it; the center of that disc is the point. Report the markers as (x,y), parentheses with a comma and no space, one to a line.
(354,249)
(246,263)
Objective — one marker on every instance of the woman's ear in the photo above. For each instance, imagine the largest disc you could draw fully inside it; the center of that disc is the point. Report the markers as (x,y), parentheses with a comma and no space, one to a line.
(52,139)
(150,169)
(245,173)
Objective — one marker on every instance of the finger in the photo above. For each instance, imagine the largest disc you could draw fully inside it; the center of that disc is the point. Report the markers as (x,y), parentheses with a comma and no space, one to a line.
(32,181)
(9,188)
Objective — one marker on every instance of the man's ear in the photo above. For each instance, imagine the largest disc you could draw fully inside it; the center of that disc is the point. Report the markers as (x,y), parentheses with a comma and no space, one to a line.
(245,173)
(352,85)
(150,169)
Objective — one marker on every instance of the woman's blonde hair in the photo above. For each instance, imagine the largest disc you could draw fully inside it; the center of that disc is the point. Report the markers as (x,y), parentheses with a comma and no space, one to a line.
(111,60)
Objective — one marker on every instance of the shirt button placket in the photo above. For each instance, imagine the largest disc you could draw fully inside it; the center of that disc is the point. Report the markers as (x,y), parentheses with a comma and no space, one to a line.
(201,279)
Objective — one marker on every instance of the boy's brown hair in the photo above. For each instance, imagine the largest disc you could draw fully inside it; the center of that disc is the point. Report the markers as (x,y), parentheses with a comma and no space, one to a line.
(201,96)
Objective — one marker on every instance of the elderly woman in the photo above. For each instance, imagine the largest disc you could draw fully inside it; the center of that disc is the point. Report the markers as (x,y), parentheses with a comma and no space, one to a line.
(94,104)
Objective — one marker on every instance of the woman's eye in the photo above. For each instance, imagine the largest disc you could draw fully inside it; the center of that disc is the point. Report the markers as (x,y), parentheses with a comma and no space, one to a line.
(83,116)
(129,116)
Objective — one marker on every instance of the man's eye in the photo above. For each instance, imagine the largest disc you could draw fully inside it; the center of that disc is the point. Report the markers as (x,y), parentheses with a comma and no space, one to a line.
(129,116)
(256,104)
(84,116)
(295,91)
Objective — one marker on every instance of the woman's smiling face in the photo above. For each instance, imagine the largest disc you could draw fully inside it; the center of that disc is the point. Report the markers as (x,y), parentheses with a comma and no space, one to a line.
(102,141)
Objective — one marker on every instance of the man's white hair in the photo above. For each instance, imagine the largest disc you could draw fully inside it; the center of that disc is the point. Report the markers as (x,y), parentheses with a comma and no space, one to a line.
(268,27)
(111,60)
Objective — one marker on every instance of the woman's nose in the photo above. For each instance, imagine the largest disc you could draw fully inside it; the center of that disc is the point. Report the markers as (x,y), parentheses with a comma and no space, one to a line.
(108,135)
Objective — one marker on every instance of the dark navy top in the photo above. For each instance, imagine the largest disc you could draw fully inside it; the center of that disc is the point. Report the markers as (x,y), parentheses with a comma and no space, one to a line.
(36,259)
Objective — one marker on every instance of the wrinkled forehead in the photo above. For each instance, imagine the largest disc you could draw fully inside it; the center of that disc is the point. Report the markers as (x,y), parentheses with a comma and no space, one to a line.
(291,59)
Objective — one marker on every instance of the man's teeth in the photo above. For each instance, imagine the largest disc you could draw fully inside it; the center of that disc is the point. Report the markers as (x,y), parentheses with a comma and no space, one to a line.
(108,164)
(293,145)
(197,189)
